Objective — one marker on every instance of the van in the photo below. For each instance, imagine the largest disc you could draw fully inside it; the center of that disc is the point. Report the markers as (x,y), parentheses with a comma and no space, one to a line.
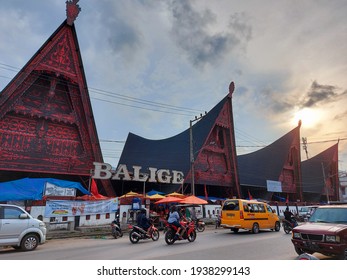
(249,215)
(19,229)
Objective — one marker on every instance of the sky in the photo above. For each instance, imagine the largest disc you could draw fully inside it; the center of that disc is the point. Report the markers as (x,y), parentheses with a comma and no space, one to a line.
(152,66)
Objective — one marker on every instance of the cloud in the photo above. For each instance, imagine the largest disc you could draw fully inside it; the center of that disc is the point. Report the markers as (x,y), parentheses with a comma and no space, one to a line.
(190,31)
(321,93)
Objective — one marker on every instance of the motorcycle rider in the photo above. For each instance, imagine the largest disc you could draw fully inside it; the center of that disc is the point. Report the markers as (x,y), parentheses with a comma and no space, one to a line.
(289,216)
(174,219)
(144,222)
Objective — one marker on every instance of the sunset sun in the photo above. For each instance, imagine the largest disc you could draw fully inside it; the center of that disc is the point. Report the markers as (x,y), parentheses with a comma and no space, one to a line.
(308,117)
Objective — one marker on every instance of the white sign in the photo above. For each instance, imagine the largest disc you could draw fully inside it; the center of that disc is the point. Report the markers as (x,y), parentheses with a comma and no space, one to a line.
(53,190)
(274,186)
(104,171)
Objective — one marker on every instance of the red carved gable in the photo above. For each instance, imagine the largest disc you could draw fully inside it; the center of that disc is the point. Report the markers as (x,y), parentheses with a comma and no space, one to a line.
(46,119)
(216,159)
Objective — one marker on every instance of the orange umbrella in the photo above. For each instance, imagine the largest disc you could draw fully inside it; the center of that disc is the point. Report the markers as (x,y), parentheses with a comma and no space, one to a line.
(168,199)
(193,200)
(176,194)
(156,196)
(131,193)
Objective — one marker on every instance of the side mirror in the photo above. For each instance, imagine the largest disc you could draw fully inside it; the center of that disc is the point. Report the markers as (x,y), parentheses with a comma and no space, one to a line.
(23,216)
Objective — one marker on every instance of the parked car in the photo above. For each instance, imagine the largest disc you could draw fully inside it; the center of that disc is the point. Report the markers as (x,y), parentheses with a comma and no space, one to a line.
(306,212)
(19,229)
(325,232)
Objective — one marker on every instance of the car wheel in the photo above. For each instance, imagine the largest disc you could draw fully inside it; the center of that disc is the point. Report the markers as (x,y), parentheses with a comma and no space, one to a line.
(235,230)
(277,226)
(255,228)
(299,251)
(343,256)
(29,242)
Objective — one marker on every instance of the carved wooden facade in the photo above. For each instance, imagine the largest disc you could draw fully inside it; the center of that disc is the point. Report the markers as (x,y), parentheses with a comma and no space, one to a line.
(46,119)
(216,160)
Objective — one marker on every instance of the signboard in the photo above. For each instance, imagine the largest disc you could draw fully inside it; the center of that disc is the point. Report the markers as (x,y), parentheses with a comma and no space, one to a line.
(53,190)
(104,171)
(274,186)
(60,208)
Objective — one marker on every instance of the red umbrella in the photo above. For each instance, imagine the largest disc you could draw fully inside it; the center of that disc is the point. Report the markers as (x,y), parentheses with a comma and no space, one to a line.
(193,200)
(168,199)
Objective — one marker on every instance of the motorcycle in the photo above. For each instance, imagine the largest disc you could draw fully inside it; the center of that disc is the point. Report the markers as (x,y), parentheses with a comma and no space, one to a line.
(289,225)
(115,228)
(136,233)
(188,234)
(218,221)
(199,225)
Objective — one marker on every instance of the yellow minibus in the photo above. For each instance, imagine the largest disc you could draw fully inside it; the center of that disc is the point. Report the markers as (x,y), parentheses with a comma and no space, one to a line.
(250,215)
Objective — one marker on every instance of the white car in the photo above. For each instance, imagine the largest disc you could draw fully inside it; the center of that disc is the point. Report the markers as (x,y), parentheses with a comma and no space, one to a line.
(19,229)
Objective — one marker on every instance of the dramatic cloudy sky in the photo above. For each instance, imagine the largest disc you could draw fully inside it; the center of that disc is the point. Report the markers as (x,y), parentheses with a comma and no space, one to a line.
(151,66)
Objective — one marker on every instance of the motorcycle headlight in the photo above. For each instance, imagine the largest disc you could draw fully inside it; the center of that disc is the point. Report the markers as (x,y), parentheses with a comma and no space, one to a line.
(332,238)
(296,235)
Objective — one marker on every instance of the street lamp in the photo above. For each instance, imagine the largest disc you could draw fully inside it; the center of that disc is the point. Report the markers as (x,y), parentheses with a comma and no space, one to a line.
(192,151)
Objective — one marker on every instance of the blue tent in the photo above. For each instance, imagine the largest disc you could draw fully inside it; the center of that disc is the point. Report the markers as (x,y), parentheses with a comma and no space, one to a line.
(152,192)
(33,188)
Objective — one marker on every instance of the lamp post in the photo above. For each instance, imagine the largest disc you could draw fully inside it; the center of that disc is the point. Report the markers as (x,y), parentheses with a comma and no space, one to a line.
(192,151)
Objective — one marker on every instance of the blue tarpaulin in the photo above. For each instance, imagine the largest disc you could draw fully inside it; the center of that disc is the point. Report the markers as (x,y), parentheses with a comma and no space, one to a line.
(33,188)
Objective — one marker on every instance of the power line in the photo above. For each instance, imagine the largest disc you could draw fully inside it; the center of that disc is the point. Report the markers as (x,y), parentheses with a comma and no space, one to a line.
(172,109)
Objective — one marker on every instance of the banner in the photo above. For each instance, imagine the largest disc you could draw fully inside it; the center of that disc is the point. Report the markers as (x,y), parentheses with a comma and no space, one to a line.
(274,186)
(59,208)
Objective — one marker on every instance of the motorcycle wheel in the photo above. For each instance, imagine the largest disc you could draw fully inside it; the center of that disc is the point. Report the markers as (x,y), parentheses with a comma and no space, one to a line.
(286,229)
(200,228)
(192,236)
(277,226)
(133,237)
(119,233)
(170,237)
(155,235)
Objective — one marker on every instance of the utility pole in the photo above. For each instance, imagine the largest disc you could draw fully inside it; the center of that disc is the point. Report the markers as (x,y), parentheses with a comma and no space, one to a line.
(191,146)
(304,145)
(325,185)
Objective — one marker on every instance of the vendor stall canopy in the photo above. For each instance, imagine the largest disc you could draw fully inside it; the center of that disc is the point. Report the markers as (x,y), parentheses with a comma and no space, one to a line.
(33,188)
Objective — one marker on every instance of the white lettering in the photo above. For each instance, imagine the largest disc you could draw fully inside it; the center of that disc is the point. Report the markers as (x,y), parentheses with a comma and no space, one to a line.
(163,176)
(137,176)
(152,174)
(122,170)
(177,177)
(104,171)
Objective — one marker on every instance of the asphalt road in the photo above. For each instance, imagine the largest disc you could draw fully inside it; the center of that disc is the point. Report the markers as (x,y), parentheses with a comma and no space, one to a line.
(212,244)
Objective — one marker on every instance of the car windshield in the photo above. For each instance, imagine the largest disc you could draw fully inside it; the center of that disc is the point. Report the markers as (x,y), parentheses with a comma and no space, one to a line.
(304,209)
(329,215)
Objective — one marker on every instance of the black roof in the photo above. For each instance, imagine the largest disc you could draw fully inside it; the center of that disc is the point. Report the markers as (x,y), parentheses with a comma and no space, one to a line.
(267,163)
(315,168)
(171,153)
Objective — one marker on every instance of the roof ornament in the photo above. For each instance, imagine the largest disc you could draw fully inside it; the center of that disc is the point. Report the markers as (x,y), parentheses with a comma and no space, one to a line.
(231,89)
(72,11)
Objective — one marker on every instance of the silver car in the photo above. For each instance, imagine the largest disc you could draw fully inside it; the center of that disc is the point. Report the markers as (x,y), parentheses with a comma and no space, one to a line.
(19,229)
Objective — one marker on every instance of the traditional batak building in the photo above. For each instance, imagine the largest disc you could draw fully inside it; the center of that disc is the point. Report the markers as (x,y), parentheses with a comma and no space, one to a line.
(276,164)
(320,176)
(210,140)
(47,129)
(47,126)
